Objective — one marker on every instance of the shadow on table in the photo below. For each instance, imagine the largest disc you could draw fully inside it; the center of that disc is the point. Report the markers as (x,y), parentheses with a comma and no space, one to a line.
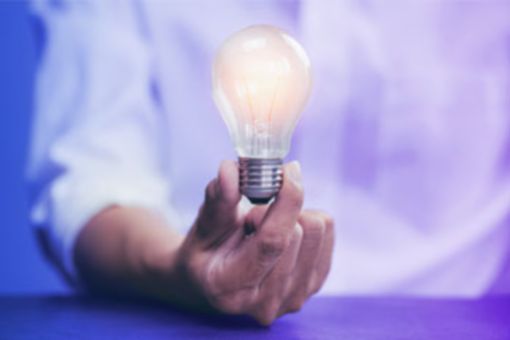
(155,311)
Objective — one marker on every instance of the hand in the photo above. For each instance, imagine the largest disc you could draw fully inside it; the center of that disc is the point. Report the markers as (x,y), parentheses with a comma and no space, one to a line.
(264,262)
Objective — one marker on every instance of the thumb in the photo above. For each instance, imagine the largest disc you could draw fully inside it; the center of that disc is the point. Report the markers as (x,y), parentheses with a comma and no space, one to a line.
(218,216)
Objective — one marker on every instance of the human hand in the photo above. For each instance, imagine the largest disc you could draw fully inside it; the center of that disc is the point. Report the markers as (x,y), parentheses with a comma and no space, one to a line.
(263,262)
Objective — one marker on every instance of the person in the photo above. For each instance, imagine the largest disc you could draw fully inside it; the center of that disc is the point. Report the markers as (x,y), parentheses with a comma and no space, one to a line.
(404,143)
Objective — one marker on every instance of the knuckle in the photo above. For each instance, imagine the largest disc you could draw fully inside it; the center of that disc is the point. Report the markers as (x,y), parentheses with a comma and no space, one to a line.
(329,224)
(296,196)
(295,305)
(297,299)
(267,313)
(272,245)
(210,191)
(316,282)
(315,287)
(265,320)
(315,228)
(329,221)
(319,217)
(298,232)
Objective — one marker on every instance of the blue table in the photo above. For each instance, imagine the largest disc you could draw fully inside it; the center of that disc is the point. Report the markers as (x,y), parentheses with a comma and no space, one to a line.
(74,317)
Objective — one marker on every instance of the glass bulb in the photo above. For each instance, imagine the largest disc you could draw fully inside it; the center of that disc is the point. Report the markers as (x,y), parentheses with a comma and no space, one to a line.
(261,82)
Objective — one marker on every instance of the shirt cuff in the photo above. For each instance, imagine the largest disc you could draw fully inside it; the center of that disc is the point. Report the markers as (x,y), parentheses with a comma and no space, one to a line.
(72,201)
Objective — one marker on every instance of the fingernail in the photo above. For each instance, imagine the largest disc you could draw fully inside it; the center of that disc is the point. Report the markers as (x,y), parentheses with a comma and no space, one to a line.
(294,171)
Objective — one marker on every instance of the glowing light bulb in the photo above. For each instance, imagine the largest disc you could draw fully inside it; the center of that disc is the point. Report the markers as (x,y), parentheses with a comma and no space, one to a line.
(261,82)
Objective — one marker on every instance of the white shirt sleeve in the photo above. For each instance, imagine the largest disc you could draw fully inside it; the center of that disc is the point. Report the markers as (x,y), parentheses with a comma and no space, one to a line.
(96,127)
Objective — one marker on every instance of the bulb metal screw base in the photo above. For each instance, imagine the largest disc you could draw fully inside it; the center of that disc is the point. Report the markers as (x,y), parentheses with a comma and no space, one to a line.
(260,179)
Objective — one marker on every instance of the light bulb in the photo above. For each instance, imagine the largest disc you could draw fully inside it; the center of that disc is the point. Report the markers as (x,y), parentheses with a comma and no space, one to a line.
(261,82)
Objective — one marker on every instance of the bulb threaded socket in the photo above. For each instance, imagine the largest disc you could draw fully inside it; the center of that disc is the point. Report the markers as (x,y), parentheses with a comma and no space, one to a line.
(260,179)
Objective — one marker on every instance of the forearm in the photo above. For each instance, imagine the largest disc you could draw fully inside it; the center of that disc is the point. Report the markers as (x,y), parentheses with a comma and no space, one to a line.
(132,251)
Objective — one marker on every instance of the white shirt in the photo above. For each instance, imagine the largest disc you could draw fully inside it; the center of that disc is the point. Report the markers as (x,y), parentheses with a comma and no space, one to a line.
(405,141)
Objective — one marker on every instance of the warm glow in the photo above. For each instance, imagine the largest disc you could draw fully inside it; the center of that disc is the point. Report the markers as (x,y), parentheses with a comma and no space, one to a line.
(261,82)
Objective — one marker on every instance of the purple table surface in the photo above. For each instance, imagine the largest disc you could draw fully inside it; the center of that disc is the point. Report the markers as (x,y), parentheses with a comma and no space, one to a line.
(74,317)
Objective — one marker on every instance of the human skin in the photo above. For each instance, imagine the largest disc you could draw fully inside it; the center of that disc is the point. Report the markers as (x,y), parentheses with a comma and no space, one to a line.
(264,261)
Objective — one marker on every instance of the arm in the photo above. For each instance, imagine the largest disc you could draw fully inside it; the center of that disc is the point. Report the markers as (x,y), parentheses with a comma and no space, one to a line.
(130,250)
